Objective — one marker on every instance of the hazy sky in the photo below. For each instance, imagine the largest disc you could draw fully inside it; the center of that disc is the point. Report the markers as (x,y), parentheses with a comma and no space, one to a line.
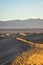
(21,9)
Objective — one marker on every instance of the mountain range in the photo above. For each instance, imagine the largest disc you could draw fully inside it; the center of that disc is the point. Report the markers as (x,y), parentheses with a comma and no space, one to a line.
(28,23)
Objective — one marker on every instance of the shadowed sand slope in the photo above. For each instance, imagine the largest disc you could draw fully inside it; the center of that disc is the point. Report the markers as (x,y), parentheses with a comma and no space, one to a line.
(34,37)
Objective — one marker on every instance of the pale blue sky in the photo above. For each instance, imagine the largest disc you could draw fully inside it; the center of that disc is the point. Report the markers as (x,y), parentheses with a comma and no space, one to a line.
(21,9)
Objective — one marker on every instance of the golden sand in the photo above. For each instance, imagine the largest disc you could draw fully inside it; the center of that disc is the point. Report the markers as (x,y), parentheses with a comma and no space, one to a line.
(30,57)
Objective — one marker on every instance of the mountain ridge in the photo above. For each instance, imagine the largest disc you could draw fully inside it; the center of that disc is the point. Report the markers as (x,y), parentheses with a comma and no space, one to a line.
(28,23)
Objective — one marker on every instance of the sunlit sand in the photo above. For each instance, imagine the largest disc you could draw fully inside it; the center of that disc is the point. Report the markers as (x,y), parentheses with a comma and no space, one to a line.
(30,57)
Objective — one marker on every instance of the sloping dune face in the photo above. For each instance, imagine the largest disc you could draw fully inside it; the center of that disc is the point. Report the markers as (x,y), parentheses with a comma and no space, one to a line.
(33,56)
(30,52)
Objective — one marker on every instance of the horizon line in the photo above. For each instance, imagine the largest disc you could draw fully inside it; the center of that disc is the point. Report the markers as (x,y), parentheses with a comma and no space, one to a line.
(20,19)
